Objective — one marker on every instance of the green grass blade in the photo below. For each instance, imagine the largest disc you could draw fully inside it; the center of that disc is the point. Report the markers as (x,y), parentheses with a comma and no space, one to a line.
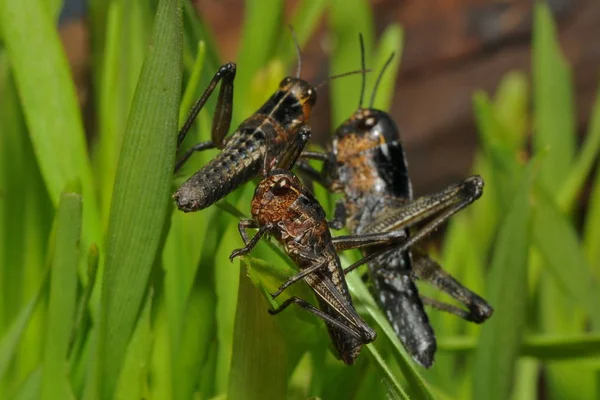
(30,390)
(557,240)
(348,18)
(49,103)
(262,29)
(416,384)
(188,98)
(61,306)
(545,347)
(553,101)
(133,379)
(304,22)
(592,223)
(500,339)
(142,188)
(585,161)
(10,341)
(258,363)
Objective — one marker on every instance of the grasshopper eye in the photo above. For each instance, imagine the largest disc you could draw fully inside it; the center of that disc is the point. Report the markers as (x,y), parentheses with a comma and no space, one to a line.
(281,187)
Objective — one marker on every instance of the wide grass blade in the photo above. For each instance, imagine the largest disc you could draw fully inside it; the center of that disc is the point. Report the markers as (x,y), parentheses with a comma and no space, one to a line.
(49,102)
(498,348)
(141,193)
(258,362)
(61,306)
(262,29)
(585,161)
(558,243)
(553,101)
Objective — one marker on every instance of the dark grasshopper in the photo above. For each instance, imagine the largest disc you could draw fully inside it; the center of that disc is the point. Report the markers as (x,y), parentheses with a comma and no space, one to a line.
(368,164)
(254,147)
(286,210)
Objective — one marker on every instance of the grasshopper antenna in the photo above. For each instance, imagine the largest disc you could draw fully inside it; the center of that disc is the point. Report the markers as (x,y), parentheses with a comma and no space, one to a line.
(362,65)
(360,71)
(298,52)
(387,64)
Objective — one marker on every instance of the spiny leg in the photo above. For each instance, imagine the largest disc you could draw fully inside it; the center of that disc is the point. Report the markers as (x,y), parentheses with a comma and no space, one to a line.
(188,153)
(348,242)
(318,263)
(250,245)
(320,314)
(246,224)
(447,203)
(221,119)
(431,272)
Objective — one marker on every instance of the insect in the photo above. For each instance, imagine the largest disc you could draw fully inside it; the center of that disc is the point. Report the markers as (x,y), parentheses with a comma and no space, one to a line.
(368,164)
(254,147)
(286,210)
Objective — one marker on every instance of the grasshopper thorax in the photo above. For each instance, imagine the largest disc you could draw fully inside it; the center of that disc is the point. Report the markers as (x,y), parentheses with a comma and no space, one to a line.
(370,157)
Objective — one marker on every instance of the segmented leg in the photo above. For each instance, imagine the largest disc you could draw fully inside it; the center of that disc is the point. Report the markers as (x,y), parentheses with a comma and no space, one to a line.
(320,314)
(252,242)
(431,272)
(221,119)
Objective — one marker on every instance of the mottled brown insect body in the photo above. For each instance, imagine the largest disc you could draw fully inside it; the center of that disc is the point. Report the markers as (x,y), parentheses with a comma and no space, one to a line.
(260,139)
(300,225)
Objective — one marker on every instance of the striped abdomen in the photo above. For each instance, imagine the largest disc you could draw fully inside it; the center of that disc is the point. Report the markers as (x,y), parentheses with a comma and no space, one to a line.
(240,161)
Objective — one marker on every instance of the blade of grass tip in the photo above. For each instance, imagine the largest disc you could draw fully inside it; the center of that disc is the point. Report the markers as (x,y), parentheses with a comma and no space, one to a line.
(61,304)
(126,43)
(13,335)
(49,103)
(558,243)
(392,41)
(258,362)
(141,194)
(195,30)
(584,162)
(417,385)
(189,94)
(552,100)
(511,104)
(262,29)
(304,21)
(348,18)
(82,321)
(501,336)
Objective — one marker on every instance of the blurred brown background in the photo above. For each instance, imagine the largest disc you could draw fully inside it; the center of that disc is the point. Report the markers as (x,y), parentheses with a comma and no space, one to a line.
(451,49)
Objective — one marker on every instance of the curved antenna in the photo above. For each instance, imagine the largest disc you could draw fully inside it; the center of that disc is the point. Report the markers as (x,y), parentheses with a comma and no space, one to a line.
(359,71)
(387,64)
(298,53)
(362,65)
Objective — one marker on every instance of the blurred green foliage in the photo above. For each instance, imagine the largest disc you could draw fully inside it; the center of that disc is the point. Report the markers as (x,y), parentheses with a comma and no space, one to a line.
(124,297)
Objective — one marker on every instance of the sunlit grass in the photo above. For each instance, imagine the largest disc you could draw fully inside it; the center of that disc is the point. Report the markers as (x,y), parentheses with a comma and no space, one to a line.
(175,319)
